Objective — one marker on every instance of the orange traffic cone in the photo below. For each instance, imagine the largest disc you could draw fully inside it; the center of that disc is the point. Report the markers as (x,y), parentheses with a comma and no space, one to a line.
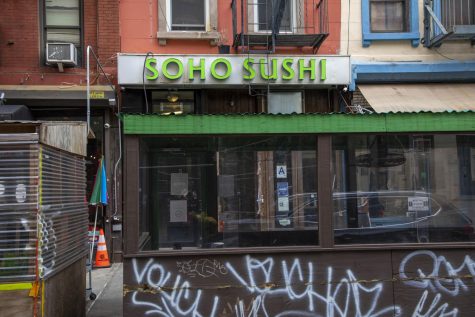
(102,258)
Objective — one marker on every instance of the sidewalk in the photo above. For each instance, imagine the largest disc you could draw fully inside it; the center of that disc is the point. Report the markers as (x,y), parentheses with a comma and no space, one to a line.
(107,285)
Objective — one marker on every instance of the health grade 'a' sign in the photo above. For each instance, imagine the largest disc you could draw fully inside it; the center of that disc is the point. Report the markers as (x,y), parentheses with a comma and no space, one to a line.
(233,70)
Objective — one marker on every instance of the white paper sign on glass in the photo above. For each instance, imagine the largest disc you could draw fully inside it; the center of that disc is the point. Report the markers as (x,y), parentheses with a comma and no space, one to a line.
(179,184)
(178,211)
(281,171)
(418,203)
(283,204)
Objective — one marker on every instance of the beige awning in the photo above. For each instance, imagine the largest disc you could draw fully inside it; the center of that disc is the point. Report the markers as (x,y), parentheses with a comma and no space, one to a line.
(420,97)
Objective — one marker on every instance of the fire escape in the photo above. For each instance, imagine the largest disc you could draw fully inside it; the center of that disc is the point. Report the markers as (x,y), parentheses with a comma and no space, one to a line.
(448,20)
(262,25)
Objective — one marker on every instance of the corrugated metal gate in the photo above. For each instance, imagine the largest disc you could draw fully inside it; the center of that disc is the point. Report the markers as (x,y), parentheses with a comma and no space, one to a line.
(43,208)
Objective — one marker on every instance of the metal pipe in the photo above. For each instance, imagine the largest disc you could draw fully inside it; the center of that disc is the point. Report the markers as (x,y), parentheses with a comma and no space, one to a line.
(89,49)
(88,90)
(117,163)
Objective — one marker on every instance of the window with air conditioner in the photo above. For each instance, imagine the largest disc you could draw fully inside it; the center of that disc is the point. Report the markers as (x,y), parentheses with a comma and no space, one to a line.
(62,26)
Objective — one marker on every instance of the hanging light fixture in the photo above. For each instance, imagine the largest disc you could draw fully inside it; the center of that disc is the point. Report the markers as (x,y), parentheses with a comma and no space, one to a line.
(172,97)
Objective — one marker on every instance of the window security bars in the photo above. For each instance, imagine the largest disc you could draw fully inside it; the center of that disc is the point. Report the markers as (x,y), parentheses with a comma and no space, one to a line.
(448,20)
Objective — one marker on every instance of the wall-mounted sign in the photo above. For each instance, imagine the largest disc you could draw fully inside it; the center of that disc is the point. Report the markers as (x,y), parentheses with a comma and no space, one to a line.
(418,203)
(283,204)
(233,70)
(281,171)
(282,189)
(96,95)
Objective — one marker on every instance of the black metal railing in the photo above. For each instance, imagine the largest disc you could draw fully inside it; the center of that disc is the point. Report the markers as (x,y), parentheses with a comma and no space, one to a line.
(448,20)
(262,25)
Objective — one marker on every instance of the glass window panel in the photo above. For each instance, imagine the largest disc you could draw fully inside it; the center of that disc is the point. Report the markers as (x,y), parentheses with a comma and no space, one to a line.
(264,12)
(284,102)
(228,192)
(62,12)
(173,102)
(188,15)
(461,12)
(54,35)
(403,188)
(388,16)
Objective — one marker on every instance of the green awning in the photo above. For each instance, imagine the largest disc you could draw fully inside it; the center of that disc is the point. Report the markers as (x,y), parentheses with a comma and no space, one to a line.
(299,123)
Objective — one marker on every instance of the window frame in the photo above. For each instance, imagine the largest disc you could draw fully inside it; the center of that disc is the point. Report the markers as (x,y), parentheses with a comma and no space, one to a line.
(165,32)
(324,132)
(412,21)
(293,20)
(276,92)
(170,22)
(44,28)
(297,227)
(405,21)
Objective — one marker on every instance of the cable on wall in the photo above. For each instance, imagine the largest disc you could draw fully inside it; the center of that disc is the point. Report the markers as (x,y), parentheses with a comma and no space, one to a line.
(143,81)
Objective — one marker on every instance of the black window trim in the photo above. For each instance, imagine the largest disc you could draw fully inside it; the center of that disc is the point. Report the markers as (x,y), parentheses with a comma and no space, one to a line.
(43,28)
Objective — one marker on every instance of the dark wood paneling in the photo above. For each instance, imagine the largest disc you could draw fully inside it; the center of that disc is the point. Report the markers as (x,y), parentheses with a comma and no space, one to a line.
(443,279)
(327,283)
(230,101)
(65,293)
(131,187)
(317,101)
(325,202)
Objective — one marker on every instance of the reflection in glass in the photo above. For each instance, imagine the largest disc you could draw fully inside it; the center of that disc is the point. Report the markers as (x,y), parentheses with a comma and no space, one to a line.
(266,10)
(403,188)
(188,15)
(227,192)
(388,15)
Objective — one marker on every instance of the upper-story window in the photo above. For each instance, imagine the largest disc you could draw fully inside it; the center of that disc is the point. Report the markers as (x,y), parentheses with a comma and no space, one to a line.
(188,19)
(62,22)
(188,15)
(389,15)
(448,20)
(388,20)
(266,11)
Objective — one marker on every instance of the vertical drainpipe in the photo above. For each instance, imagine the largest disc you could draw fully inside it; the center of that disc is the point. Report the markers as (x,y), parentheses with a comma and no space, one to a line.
(88,91)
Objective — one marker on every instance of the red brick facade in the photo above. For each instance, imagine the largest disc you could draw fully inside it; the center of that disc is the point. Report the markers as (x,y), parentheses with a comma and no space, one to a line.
(20,40)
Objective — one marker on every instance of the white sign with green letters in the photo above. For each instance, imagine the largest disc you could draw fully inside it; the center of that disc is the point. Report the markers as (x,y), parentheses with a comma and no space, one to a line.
(232,70)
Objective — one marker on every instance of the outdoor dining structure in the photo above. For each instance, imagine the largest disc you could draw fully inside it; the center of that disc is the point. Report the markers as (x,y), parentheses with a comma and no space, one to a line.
(43,218)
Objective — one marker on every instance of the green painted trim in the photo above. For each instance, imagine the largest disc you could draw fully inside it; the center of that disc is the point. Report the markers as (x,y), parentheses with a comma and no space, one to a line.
(16,286)
(300,123)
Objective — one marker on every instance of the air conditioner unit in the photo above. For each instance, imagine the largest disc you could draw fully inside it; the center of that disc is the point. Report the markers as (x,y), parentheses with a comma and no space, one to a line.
(61,53)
